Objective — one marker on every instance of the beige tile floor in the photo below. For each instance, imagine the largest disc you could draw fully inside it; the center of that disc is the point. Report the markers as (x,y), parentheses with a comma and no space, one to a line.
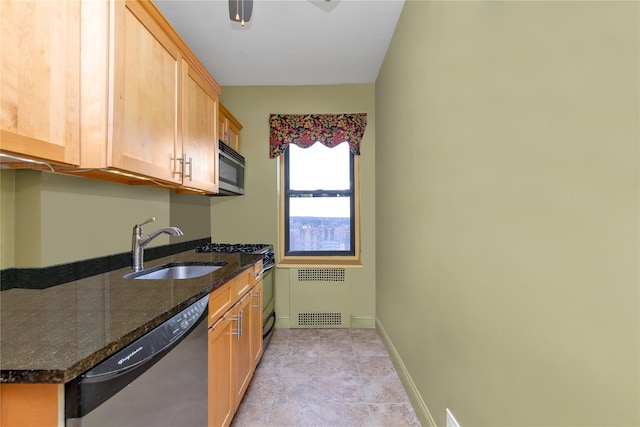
(325,377)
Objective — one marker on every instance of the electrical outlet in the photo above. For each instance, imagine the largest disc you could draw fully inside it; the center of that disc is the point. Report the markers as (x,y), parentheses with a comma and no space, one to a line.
(451,421)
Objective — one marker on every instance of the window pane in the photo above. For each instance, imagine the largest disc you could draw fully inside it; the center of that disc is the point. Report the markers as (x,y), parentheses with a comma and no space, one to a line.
(318,167)
(320,224)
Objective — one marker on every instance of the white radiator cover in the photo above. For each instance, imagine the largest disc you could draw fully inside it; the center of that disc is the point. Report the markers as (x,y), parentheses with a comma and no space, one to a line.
(319,298)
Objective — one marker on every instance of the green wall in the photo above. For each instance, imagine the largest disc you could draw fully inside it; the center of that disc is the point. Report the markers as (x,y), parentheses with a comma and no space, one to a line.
(50,219)
(7,217)
(507,187)
(254,216)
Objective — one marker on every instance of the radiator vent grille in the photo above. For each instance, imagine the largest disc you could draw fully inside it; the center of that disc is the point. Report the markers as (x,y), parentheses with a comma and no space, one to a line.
(321,275)
(319,298)
(319,319)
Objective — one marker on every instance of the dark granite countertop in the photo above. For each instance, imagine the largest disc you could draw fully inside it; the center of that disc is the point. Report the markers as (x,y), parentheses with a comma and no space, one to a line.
(53,335)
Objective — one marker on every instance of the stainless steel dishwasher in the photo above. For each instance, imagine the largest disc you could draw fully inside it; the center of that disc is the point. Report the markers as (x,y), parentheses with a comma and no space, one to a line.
(158,380)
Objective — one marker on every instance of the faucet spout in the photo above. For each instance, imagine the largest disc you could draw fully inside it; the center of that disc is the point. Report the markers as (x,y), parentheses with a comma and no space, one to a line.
(174,231)
(138,242)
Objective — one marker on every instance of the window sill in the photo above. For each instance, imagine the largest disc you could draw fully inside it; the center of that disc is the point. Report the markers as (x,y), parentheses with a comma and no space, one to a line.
(319,262)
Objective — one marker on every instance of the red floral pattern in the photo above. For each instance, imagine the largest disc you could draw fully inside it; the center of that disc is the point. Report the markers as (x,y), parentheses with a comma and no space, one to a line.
(305,130)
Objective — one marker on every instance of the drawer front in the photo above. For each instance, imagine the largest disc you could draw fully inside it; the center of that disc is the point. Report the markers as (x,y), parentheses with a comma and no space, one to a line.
(220,301)
(223,298)
(242,283)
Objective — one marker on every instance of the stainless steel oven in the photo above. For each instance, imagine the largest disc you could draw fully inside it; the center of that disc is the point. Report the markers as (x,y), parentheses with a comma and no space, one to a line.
(269,262)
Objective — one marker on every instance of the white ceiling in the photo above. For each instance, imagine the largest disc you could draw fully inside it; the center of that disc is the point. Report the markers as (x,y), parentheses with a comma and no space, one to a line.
(288,42)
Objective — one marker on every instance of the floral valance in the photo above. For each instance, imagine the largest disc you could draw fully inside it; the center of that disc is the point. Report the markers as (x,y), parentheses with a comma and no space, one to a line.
(306,129)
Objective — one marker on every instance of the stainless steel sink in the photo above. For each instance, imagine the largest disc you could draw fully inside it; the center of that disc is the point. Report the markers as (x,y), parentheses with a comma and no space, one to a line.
(176,270)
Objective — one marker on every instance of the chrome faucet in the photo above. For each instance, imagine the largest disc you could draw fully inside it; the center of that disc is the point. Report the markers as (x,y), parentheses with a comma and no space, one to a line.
(138,242)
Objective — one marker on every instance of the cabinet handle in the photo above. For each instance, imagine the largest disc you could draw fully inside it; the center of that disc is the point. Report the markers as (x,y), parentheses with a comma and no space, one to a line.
(238,331)
(242,291)
(241,314)
(182,167)
(190,175)
(257,295)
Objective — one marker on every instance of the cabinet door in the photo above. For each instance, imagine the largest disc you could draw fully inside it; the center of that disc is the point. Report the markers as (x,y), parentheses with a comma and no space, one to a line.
(233,135)
(146,135)
(30,404)
(40,84)
(242,359)
(200,140)
(221,397)
(228,128)
(222,128)
(256,323)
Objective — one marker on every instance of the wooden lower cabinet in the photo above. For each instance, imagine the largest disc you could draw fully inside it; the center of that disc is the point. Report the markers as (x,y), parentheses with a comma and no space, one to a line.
(221,398)
(23,405)
(242,359)
(235,347)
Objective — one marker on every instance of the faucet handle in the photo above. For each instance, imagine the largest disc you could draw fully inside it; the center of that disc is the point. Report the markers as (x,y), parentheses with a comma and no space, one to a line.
(152,219)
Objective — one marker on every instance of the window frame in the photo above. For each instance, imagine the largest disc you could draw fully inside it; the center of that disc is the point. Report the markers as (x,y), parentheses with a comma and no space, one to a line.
(321,259)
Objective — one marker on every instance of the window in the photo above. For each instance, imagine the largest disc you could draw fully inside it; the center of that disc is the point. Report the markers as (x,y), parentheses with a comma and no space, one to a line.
(320,221)
(319,187)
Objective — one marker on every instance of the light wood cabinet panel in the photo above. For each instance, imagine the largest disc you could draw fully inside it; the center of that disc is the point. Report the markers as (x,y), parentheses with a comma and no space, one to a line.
(228,128)
(159,103)
(109,90)
(31,405)
(233,132)
(220,301)
(199,142)
(242,283)
(40,84)
(242,358)
(235,344)
(146,135)
(220,379)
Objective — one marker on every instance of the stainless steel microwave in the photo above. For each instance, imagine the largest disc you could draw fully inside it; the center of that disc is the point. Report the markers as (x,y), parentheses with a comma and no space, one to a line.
(231,177)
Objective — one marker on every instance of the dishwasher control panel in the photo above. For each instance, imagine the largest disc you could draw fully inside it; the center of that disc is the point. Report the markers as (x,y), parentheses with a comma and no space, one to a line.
(157,340)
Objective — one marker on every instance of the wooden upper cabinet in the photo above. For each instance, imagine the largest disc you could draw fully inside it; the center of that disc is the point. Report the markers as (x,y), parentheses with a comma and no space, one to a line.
(199,139)
(161,105)
(107,89)
(146,134)
(228,128)
(40,80)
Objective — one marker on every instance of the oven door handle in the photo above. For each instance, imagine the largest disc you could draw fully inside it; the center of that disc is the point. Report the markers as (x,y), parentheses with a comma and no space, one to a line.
(265,269)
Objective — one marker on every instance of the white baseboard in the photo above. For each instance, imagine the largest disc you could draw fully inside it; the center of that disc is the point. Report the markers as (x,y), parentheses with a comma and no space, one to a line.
(412,391)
